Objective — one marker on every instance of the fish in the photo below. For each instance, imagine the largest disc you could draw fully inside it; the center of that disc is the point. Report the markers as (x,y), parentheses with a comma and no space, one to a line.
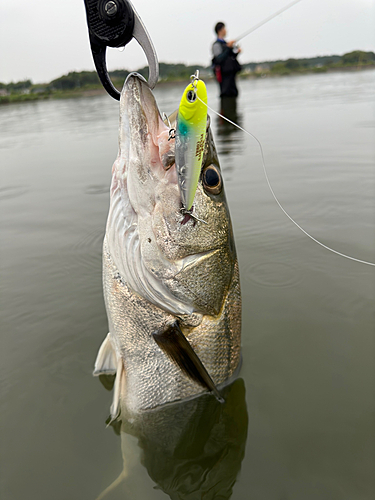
(190,139)
(170,282)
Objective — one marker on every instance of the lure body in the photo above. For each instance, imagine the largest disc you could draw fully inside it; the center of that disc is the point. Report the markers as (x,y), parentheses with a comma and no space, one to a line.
(190,139)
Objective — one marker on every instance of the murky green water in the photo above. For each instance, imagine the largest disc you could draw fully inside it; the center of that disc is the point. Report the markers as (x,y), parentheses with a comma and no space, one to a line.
(299,424)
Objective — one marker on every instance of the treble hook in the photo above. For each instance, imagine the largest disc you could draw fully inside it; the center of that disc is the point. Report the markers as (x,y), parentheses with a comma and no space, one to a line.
(172,131)
(191,214)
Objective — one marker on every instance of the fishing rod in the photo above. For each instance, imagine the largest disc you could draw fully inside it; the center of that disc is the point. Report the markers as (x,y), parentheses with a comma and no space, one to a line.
(266,20)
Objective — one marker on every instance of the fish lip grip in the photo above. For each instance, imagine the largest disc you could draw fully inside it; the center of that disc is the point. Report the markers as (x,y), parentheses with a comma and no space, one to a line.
(113,23)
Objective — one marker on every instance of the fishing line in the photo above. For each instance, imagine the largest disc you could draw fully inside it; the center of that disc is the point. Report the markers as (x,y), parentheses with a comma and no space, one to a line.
(275,198)
(256,26)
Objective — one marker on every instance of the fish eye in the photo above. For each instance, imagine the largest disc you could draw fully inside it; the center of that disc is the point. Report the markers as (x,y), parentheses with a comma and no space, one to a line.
(191,96)
(211,179)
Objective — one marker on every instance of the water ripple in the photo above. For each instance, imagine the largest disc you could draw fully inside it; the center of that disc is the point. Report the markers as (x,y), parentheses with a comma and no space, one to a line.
(87,250)
(96,189)
(273,274)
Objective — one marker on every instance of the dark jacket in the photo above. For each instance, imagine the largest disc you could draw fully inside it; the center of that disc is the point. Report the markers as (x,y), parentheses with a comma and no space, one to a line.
(224,57)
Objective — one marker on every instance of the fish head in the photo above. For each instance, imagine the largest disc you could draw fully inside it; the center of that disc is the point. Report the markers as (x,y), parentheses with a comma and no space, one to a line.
(181,262)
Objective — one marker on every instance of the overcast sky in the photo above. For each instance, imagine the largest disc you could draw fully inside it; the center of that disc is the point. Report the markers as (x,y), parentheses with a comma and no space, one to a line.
(42,40)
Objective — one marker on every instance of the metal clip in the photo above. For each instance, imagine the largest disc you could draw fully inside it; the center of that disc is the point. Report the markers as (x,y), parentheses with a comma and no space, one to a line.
(194,78)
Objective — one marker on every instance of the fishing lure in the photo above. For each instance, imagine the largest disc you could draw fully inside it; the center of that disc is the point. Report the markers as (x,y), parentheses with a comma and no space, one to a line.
(190,139)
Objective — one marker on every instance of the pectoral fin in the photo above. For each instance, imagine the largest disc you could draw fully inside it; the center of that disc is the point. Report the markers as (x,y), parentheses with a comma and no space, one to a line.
(105,363)
(173,342)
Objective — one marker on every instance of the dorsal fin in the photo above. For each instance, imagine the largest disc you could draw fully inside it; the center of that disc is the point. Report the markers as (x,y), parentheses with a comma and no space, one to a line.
(175,345)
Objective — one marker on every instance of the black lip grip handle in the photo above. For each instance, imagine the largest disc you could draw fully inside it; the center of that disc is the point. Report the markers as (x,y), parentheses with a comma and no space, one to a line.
(111,24)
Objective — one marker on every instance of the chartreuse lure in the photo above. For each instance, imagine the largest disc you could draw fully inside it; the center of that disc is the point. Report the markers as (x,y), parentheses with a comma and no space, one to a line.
(190,139)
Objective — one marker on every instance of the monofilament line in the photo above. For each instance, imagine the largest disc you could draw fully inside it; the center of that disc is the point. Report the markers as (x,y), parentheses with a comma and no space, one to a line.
(269,18)
(275,198)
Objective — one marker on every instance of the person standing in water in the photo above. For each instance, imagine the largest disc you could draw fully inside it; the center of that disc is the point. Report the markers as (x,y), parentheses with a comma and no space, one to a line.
(225,62)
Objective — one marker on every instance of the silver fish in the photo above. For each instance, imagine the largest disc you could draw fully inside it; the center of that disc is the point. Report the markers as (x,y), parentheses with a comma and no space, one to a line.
(171,281)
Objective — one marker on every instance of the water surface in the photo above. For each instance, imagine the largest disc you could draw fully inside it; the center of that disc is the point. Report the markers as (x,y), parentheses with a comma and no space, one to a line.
(300,423)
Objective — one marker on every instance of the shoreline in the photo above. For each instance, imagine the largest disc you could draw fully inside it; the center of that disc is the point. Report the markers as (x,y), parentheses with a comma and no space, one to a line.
(97,91)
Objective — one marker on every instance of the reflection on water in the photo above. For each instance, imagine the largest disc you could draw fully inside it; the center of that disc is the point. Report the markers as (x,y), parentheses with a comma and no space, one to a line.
(193,449)
(229,136)
(228,108)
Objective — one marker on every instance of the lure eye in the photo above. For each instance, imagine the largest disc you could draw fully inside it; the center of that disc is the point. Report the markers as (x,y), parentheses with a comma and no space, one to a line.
(211,179)
(191,96)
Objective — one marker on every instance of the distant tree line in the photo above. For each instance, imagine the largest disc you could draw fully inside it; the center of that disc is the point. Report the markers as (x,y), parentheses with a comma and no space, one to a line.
(357,58)
(173,72)
(17,86)
(75,80)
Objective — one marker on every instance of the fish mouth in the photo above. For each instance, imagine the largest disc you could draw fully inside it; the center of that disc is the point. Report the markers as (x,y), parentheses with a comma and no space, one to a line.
(143,133)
